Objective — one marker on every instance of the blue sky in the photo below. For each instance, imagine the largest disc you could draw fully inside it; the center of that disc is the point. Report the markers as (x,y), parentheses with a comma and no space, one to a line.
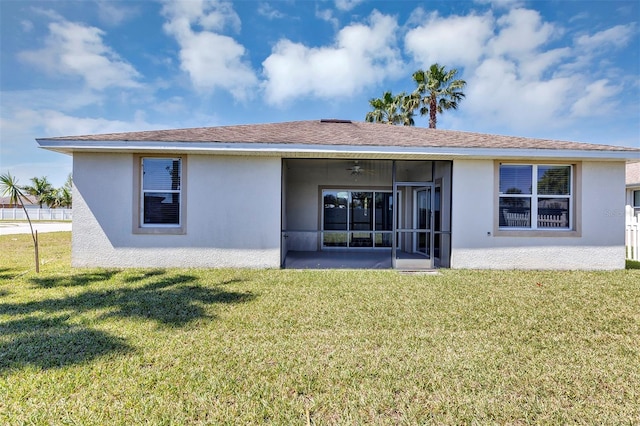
(561,69)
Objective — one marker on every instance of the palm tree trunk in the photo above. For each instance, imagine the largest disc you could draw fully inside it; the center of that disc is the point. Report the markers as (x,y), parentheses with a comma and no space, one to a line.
(433,110)
(37,254)
(34,236)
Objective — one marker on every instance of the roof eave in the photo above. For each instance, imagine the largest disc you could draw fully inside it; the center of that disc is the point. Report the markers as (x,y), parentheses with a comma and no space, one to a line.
(308,150)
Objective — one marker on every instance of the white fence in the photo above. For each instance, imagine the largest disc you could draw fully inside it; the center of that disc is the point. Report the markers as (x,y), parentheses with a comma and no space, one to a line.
(632,235)
(35,214)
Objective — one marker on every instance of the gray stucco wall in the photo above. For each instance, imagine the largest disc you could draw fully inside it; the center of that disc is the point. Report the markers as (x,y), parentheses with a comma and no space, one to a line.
(599,244)
(232,214)
(234,204)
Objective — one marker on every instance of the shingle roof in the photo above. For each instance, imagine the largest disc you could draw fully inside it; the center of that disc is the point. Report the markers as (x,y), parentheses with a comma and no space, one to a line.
(340,133)
(30,200)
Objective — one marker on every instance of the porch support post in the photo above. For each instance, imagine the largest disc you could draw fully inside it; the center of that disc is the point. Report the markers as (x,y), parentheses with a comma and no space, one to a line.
(394,227)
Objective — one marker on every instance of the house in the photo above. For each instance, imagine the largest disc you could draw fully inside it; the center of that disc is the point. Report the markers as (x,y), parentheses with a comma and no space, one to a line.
(336,193)
(633,187)
(28,200)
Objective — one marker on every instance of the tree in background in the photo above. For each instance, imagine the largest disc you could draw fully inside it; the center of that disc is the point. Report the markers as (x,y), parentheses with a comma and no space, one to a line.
(390,109)
(64,197)
(9,187)
(61,197)
(437,91)
(41,189)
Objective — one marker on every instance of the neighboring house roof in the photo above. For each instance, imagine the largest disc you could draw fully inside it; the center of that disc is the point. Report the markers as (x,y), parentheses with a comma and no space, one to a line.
(633,174)
(329,135)
(29,200)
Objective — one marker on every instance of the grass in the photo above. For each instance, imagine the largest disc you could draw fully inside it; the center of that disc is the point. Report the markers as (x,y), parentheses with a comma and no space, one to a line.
(183,346)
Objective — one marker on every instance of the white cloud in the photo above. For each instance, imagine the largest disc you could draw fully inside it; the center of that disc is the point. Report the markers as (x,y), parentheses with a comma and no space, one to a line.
(362,55)
(47,13)
(211,15)
(21,126)
(534,65)
(327,15)
(614,37)
(522,72)
(521,37)
(114,13)
(347,5)
(212,60)
(501,4)
(579,17)
(50,122)
(598,99)
(27,26)
(454,40)
(266,10)
(78,50)
(521,32)
(50,99)
(173,106)
(497,93)
(57,123)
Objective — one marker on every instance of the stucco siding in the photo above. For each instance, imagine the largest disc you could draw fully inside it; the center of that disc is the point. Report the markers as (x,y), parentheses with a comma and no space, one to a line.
(596,243)
(232,214)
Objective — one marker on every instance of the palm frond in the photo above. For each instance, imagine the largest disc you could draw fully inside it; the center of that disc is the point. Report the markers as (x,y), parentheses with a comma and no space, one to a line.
(438,91)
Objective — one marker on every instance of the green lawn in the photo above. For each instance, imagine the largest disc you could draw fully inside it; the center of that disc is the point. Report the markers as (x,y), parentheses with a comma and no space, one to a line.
(183,346)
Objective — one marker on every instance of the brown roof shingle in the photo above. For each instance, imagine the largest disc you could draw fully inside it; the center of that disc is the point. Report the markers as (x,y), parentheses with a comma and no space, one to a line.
(341,133)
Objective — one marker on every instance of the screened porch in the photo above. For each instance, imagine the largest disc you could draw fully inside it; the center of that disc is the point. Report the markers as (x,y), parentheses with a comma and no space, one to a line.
(372,214)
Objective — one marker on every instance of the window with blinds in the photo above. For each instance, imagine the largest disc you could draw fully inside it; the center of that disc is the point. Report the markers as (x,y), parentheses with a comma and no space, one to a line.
(161,191)
(535,196)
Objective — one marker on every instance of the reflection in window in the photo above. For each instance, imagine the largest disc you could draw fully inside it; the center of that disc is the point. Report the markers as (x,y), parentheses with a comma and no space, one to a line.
(361,211)
(535,196)
(355,212)
(335,210)
(384,211)
(515,179)
(553,180)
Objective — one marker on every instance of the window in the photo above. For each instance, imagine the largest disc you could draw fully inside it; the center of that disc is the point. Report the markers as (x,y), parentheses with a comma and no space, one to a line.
(535,196)
(357,218)
(161,200)
(636,199)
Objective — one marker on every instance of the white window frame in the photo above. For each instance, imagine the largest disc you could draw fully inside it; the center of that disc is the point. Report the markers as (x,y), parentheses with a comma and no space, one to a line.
(139,227)
(534,197)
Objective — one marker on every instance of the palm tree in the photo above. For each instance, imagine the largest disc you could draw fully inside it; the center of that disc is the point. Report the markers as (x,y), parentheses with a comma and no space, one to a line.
(9,187)
(41,189)
(61,197)
(390,109)
(437,90)
(64,195)
(51,198)
(64,198)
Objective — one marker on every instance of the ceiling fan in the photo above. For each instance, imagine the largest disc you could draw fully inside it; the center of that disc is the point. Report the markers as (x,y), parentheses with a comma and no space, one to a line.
(356,169)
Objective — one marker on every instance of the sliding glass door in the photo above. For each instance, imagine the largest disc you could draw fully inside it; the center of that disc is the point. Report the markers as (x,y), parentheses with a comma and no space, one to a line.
(357,219)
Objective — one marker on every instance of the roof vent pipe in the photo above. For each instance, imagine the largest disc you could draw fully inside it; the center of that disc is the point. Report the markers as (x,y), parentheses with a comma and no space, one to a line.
(334,120)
